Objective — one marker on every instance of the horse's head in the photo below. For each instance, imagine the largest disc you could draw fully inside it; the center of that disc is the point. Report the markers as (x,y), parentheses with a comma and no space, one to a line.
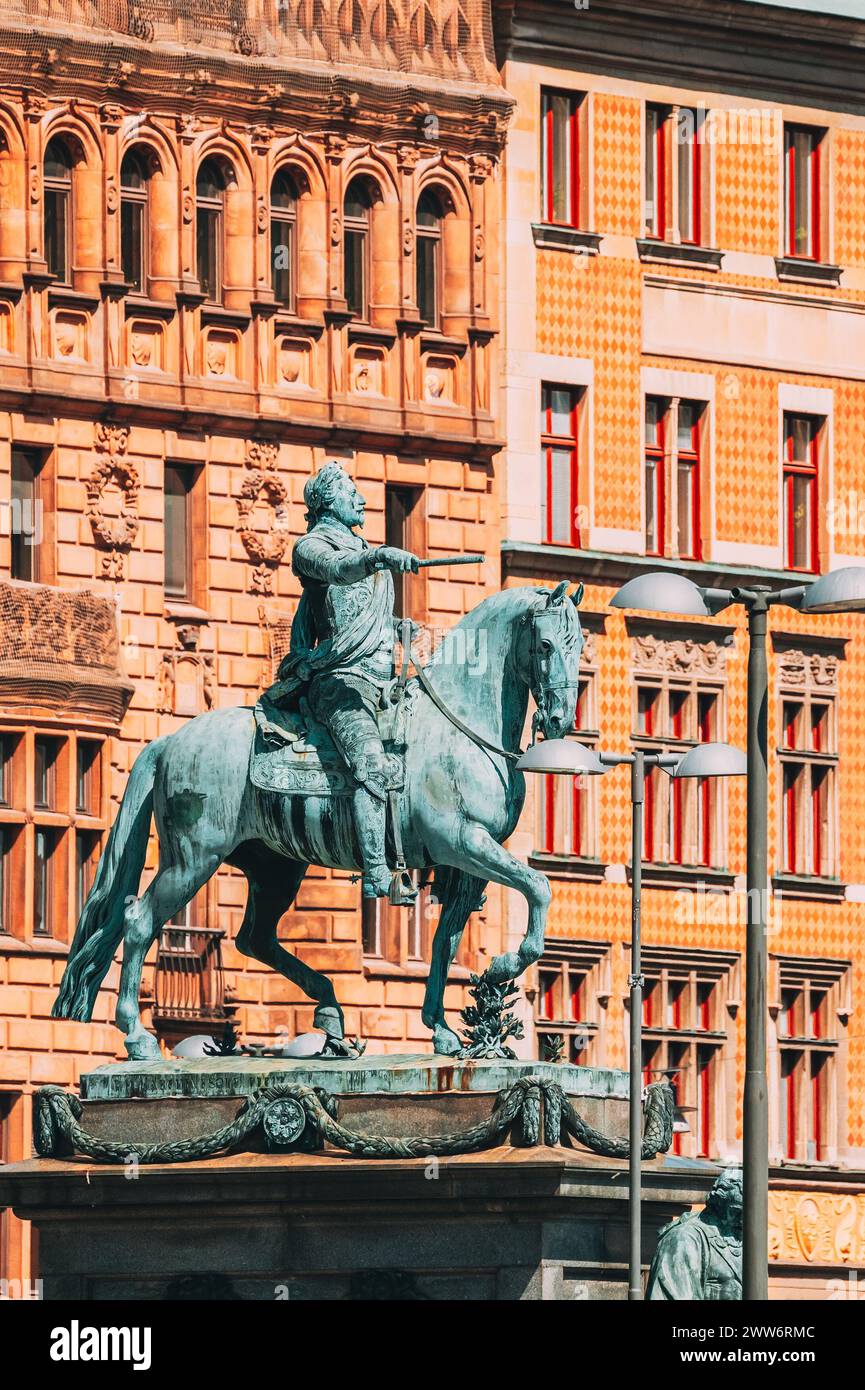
(555,645)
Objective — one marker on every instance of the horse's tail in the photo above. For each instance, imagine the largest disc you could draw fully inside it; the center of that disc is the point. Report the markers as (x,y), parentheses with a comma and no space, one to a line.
(117,878)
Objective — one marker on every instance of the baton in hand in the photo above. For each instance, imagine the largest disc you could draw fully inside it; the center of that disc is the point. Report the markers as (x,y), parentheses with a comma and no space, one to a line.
(452,560)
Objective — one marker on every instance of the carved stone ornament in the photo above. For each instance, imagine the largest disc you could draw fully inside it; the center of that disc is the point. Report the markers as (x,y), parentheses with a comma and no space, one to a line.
(186,683)
(822,1228)
(677,655)
(814,668)
(263,484)
(113,534)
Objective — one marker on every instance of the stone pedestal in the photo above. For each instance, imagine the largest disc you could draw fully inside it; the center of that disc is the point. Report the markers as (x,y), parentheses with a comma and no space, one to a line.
(508,1222)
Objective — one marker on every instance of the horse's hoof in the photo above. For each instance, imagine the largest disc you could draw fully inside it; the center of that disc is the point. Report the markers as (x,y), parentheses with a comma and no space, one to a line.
(343,1047)
(506,967)
(328,1017)
(445,1041)
(142,1047)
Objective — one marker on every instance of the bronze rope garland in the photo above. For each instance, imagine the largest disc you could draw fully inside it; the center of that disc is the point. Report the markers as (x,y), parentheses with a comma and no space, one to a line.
(58,1133)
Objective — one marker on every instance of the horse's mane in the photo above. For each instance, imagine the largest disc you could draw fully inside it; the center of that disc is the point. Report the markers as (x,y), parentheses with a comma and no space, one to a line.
(527,596)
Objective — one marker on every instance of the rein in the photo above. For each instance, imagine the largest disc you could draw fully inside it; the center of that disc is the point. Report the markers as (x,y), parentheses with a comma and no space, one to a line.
(455,719)
(409,656)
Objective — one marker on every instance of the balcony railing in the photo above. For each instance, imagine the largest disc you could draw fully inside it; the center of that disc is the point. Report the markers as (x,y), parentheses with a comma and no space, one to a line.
(189,982)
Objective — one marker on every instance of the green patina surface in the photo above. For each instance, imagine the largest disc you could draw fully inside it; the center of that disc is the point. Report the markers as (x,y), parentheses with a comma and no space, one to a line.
(397,1075)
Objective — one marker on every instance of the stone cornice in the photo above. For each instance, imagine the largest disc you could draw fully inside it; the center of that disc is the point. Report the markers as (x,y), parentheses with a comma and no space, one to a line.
(361,103)
(805,57)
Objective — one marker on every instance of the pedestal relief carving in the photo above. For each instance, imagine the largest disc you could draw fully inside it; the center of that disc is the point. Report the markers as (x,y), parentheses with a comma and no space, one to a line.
(114,534)
(262,484)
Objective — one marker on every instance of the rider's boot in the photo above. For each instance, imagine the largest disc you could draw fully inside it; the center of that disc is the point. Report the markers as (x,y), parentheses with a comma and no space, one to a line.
(369,820)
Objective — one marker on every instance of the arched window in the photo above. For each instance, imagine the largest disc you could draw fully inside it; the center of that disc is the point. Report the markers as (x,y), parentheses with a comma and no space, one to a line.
(428,259)
(209,221)
(356,219)
(57,177)
(283,222)
(133,220)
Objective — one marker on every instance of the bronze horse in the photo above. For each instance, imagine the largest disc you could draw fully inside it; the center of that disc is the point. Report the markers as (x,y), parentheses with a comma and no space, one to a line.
(462,799)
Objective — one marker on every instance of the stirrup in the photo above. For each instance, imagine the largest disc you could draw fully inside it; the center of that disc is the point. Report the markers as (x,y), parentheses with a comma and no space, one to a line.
(402,892)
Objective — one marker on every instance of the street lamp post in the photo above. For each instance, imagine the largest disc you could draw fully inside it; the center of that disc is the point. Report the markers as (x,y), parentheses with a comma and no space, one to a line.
(840,591)
(566,755)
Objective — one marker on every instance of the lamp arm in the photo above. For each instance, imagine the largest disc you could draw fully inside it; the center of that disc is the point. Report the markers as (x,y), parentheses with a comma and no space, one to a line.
(717,599)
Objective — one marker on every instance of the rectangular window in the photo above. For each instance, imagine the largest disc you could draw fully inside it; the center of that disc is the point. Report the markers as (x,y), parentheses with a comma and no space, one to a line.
(45,771)
(567,1015)
(811,992)
(684,1038)
(560,158)
(208,240)
(801,479)
(44,869)
(403,523)
(57,230)
(178,530)
(809,761)
(355,251)
(688,480)
(567,820)
(25,515)
(51,796)
(132,241)
(86,858)
(681,823)
(654,476)
(560,511)
(402,936)
(802,190)
(672,471)
(87,771)
(656,171)
(688,168)
(281,259)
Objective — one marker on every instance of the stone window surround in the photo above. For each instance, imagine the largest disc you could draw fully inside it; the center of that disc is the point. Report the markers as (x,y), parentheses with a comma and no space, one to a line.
(673,386)
(817,401)
(835,976)
(590,962)
(722,969)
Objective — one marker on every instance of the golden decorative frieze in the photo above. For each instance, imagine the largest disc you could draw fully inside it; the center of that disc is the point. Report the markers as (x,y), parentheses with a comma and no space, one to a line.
(825,1228)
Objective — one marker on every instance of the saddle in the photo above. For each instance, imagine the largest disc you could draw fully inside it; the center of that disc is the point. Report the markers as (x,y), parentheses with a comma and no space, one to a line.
(293,752)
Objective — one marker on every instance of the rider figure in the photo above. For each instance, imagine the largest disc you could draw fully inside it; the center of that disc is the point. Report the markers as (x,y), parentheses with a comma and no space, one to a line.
(342,648)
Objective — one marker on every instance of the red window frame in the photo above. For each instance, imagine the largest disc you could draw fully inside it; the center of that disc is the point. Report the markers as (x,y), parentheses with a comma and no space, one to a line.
(809,470)
(654,453)
(551,134)
(657,122)
(550,443)
(677,729)
(791,188)
(690,152)
(705,708)
(689,458)
(704,1101)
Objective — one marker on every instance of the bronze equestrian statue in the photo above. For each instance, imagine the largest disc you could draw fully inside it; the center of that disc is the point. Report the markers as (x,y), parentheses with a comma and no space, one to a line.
(303,778)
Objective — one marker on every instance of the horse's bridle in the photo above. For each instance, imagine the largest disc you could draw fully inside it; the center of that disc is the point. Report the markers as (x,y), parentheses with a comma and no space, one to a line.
(540,690)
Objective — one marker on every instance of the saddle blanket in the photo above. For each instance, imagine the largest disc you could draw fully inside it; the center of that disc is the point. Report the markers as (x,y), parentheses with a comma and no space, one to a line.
(293,752)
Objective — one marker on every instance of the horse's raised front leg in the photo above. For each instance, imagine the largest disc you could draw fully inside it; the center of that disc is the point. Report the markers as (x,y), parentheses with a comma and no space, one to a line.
(172,888)
(478,853)
(459,894)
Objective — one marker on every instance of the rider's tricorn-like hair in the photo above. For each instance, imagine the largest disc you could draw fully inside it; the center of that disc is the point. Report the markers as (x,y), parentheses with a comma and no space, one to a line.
(319,491)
